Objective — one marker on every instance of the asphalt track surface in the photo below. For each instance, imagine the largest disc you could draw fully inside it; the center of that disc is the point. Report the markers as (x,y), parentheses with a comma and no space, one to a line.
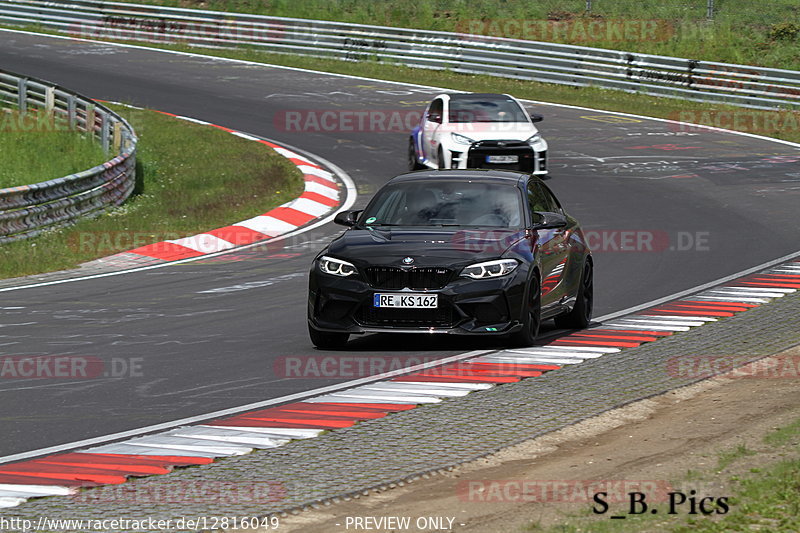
(709,204)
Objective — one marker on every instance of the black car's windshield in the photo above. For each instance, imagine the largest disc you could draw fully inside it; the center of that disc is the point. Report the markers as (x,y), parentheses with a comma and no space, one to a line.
(445,203)
(486,110)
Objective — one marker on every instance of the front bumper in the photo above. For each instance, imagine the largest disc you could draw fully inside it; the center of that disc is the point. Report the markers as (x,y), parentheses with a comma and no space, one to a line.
(531,159)
(465,307)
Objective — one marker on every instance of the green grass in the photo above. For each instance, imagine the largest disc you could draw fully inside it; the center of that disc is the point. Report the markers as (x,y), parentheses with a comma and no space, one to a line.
(742,31)
(727,457)
(764,499)
(785,435)
(191,178)
(35,149)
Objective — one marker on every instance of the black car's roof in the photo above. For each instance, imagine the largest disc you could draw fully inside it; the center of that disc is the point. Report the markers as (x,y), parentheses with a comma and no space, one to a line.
(478,96)
(509,176)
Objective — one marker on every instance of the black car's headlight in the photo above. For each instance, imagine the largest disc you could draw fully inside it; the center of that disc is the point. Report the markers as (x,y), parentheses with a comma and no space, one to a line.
(490,269)
(336,267)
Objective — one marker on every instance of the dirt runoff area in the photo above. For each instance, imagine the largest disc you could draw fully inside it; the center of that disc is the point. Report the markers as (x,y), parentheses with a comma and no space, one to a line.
(668,443)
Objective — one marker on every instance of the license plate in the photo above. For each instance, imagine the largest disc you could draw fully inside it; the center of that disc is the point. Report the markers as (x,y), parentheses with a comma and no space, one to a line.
(406,300)
(502,159)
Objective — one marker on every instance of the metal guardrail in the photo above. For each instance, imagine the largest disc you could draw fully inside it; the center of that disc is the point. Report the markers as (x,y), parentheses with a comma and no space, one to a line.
(28,210)
(756,87)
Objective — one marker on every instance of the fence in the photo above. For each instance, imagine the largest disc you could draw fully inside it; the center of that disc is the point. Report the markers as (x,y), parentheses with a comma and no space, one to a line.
(763,88)
(30,209)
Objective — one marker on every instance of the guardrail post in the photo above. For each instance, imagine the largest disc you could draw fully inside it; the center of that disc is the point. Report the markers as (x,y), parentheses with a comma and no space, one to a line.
(90,115)
(710,10)
(117,142)
(104,131)
(22,95)
(72,120)
(49,100)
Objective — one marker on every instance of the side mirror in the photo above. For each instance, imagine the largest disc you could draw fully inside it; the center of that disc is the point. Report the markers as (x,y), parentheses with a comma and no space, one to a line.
(549,221)
(536,117)
(435,117)
(346,218)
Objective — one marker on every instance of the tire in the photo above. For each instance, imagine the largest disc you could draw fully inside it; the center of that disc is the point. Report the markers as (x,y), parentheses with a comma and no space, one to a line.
(325,340)
(581,314)
(532,319)
(440,159)
(413,163)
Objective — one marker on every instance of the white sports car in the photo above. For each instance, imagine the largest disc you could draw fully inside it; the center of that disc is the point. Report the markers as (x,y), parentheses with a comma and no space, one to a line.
(475,130)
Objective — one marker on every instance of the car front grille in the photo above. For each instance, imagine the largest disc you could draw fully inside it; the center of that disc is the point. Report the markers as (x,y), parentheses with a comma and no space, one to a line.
(442,316)
(411,278)
(476,157)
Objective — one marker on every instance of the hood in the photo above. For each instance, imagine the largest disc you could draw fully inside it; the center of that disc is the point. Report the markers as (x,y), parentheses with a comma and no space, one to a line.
(428,247)
(485,131)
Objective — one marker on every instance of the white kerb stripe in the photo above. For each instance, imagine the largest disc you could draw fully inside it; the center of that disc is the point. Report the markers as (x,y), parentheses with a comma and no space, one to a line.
(445,385)
(389,387)
(756,294)
(682,317)
(5,503)
(534,359)
(38,490)
(580,355)
(330,398)
(574,349)
(661,322)
(219,432)
(387,398)
(754,289)
(619,325)
(217,450)
(129,449)
(767,289)
(19,494)
(245,136)
(196,121)
(292,155)
(324,190)
(316,171)
(204,243)
(370,389)
(309,207)
(256,442)
(732,299)
(289,433)
(267,225)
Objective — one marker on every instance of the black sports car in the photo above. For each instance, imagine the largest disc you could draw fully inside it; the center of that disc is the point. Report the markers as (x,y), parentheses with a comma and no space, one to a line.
(452,251)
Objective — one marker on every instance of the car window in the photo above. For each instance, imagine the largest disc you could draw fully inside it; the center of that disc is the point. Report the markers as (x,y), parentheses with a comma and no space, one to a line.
(486,110)
(537,199)
(393,202)
(440,203)
(541,200)
(555,205)
(436,108)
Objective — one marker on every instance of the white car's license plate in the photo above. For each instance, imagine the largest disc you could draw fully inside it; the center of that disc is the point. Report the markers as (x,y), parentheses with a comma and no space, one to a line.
(502,159)
(406,300)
